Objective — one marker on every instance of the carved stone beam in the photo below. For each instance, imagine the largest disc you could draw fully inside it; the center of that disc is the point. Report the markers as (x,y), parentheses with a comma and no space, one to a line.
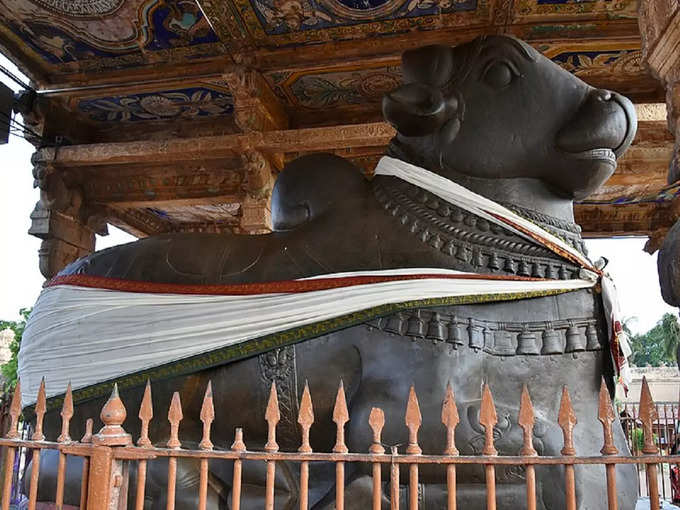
(623,219)
(210,148)
(256,107)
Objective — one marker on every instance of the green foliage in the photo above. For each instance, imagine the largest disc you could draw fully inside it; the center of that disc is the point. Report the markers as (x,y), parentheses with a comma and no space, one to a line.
(659,345)
(9,369)
(638,439)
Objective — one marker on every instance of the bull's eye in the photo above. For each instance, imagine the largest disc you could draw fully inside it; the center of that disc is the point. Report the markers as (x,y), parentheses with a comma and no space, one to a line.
(498,74)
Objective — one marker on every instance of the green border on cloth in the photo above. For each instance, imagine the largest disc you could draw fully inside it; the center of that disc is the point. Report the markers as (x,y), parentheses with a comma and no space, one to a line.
(260,345)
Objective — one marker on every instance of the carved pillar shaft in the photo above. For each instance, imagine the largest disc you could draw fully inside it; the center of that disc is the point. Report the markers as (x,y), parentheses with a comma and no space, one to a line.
(660,31)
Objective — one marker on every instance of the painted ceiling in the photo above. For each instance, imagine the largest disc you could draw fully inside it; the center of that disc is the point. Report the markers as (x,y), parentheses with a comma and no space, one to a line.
(318,56)
(123,33)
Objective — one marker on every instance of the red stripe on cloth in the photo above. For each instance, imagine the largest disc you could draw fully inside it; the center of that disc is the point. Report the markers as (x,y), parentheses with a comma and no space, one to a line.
(548,244)
(245,289)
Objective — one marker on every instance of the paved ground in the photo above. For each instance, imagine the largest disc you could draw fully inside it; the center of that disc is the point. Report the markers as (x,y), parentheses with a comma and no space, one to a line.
(643,504)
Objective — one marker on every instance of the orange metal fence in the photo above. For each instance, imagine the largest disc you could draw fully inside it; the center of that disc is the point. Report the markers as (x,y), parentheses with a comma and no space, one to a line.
(106,454)
(665,435)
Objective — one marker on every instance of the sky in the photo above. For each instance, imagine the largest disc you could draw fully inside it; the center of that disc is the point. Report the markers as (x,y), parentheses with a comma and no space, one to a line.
(633,270)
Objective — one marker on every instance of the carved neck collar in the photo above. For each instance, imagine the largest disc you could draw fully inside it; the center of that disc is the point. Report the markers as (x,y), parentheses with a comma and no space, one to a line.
(515,191)
(482,207)
(427,215)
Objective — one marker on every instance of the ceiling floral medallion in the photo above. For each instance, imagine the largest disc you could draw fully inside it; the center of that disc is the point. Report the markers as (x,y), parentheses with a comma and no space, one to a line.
(279,17)
(81,8)
(360,10)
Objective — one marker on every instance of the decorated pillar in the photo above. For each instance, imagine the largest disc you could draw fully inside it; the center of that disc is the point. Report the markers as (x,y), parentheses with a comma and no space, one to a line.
(660,31)
(256,109)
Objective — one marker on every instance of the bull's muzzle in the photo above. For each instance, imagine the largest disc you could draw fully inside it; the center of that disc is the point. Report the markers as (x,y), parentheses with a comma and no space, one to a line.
(605,120)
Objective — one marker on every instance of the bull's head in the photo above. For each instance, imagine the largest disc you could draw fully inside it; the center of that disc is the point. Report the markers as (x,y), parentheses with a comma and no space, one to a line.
(496,108)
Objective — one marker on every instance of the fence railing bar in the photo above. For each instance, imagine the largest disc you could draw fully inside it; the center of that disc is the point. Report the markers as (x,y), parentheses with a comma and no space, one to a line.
(305,419)
(272,416)
(488,419)
(526,420)
(606,416)
(636,449)
(567,421)
(340,417)
(450,419)
(413,421)
(394,480)
(85,476)
(145,415)
(237,447)
(12,434)
(667,441)
(40,409)
(174,417)
(133,453)
(64,438)
(376,420)
(649,414)
(207,416)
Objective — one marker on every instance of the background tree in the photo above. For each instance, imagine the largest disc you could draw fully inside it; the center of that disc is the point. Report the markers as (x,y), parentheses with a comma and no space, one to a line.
(658,346)
(9,369)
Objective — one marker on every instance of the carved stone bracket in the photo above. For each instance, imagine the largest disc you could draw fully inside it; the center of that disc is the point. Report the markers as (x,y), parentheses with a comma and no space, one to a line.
(256,107)
(60,219)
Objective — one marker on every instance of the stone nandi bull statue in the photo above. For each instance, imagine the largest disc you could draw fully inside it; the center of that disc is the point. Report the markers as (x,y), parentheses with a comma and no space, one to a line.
(492,115)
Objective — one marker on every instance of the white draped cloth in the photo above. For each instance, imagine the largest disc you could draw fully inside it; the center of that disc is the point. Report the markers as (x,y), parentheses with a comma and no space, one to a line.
(86,335)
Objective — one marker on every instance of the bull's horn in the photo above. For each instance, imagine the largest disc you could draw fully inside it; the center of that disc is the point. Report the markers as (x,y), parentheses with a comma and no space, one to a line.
(415,109)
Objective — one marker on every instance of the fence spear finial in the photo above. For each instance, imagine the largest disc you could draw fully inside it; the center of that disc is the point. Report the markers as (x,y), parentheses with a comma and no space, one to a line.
(145,415)
(567,420)
(207,417)
(648,415)
(40,409)
(272,416)
(450,419)
(413,421)
(87,437)
(15,412)
(488,419)
(526,421)
(175,417)
(305,419)
(376,420)
(340,417)
(66,415)
(238,445)
(606,416)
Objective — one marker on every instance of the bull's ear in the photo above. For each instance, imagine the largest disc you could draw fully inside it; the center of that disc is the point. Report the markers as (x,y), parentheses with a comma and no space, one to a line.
(433,65)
